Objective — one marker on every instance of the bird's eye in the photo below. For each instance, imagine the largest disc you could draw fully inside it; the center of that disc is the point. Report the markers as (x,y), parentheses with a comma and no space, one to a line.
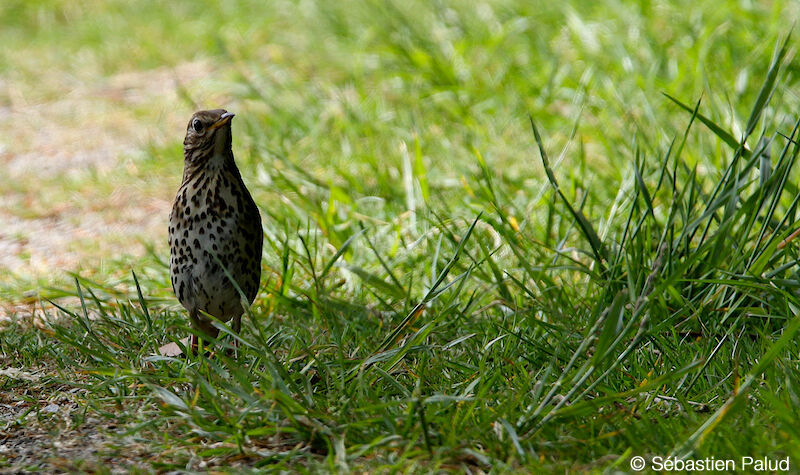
(197,125)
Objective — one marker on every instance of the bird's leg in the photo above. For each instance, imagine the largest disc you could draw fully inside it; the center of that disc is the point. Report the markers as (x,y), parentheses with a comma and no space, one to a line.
(205,327)
(237,328)
(237,324)
(194,338)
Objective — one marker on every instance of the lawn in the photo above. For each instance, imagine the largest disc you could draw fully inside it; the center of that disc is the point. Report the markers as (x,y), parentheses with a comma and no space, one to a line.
(505,236)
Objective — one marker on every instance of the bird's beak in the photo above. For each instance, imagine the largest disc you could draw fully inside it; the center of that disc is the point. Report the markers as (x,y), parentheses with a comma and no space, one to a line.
(223,119)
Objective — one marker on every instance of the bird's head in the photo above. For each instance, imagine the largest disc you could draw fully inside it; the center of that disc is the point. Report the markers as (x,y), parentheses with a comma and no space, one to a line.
(208,134)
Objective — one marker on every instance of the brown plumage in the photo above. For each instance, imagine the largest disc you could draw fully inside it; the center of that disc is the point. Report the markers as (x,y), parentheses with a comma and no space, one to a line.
(213,215)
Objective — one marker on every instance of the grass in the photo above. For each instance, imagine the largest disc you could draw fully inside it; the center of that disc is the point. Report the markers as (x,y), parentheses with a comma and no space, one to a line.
(512,237)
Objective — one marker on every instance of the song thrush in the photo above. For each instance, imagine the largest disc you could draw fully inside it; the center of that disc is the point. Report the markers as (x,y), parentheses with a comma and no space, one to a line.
(214,222)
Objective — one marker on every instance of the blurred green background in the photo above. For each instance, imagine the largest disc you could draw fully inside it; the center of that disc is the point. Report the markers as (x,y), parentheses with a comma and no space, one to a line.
(96,95)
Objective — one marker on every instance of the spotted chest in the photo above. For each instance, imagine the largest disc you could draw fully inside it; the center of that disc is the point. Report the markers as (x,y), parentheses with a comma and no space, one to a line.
(214,215)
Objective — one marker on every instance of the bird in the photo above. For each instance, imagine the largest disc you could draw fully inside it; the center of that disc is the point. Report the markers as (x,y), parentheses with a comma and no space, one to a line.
(214,226)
